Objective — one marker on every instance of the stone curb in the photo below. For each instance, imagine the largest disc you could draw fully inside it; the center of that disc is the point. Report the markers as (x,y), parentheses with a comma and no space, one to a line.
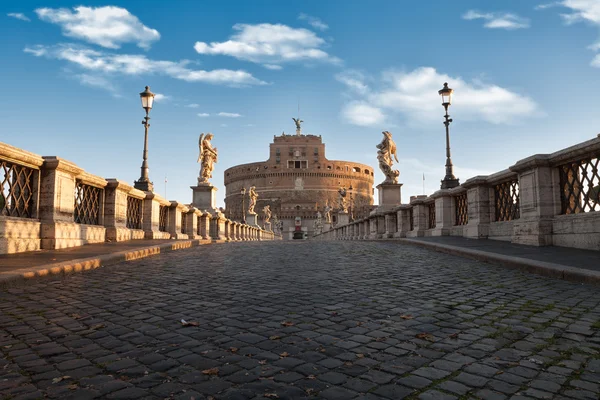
(557,271)
(84,264)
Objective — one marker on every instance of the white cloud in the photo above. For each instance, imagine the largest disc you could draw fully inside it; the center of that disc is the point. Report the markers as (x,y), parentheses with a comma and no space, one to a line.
(105,26)
(362,114)
(161,97)
(498,20)
(97,81)
(581,11)
(229,115)
(270,45)
(203,115)
(314,22)
(20,16)
(414,95)
(193,105)
(134,64)
(273,67)
(354,80)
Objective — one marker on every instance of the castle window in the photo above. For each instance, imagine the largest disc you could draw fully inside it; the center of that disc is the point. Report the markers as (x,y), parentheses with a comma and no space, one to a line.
(291,152)
(277,159)
(277,151)
(367,171)
(356,169)
(329,167)
(316,151)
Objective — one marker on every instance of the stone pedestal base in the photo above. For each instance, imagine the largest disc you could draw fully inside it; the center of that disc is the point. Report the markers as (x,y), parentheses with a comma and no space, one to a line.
(268,227)
(390,196)
(326,226)
(252,220)
(204,197)
(343,218)
(122,234)
(62,235)
(156,235)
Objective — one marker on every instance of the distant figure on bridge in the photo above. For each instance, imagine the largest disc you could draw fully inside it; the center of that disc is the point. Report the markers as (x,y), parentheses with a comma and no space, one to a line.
(253,196)
(327,212)
(387,150)
(207,157)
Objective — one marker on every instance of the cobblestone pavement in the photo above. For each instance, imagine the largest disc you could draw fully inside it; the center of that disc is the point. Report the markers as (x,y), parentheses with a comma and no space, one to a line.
(292,320)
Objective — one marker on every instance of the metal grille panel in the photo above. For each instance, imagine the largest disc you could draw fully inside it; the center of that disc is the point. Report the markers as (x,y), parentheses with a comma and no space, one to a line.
(431,207)
(580,186)
(461,207)
(88,200)
(411,219)
(16,190)
(163,218)
(198,226)
(506,202)
(183,223)
(134,213)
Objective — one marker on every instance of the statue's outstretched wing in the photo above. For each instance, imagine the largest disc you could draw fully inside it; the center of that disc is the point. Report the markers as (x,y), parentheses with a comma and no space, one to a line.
(200,147)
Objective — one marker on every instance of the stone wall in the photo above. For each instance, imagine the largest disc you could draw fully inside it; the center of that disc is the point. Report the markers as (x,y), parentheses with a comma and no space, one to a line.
(542,200)
(51,203)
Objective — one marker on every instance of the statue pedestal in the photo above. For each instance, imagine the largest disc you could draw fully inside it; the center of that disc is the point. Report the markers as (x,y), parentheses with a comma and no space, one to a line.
(268,227)
(390,196)
(343,218)
(252,220)
(326,226)
(204,197)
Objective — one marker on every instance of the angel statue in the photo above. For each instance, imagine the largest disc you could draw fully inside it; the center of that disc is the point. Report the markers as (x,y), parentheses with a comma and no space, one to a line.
(342,200)
(298,121)
(206,157)
(327,212)
(387,149)
(253,196)
(267,212)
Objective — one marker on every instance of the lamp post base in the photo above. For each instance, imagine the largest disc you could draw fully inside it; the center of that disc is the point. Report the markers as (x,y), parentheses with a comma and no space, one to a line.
(450,183)
(145,186)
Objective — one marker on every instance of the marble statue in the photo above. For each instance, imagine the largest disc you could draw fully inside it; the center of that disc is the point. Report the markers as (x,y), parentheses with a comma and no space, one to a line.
(267,212)
(342,200)
(327,211)
(387,150)
(253,196)
(207,157)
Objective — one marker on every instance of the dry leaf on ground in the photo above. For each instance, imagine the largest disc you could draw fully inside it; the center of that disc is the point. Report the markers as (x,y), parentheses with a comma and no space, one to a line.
(274,337)
(211,371)
(60,378)
(287,323)
(425,336)
(360,355)
(284,354)
(311,377)
(233,349)
(454,336)
(271,395)
(406,316)
(262,362)
(97,326)
(189,323)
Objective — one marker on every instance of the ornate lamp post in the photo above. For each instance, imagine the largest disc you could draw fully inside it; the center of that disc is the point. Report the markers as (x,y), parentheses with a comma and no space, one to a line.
(450,180)
(144,183)
(243,193)
(351,208)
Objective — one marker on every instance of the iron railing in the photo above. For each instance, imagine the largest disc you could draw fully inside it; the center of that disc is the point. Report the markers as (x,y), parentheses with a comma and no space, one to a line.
(134,213)
(18,185)
(183,223)
(461,207)
(580,186)
(506,200)
(431,208)
(88,204)
(198,226)
(163,218)
(411,219)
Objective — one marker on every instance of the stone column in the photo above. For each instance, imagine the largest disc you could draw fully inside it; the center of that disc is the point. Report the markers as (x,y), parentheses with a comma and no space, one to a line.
(151,216)
(177,211)
(191,223)
(367,228)
(205,219)
(402,221)
(373,227)
(115,211)
(218,227)
(537,203)
(478,208)
(391,224)
(419,217)
(444,214)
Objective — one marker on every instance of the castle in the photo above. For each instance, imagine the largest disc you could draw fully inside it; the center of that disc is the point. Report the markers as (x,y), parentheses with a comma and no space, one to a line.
(297,180)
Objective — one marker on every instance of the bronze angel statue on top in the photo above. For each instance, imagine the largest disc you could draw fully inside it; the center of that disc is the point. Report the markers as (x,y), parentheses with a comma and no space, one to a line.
(298,123)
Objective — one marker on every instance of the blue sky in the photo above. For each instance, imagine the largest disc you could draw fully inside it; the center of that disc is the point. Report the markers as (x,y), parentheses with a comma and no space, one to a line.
(525,74)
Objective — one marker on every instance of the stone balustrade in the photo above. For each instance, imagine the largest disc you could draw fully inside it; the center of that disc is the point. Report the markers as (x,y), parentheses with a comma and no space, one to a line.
(542,200)
(51,203)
